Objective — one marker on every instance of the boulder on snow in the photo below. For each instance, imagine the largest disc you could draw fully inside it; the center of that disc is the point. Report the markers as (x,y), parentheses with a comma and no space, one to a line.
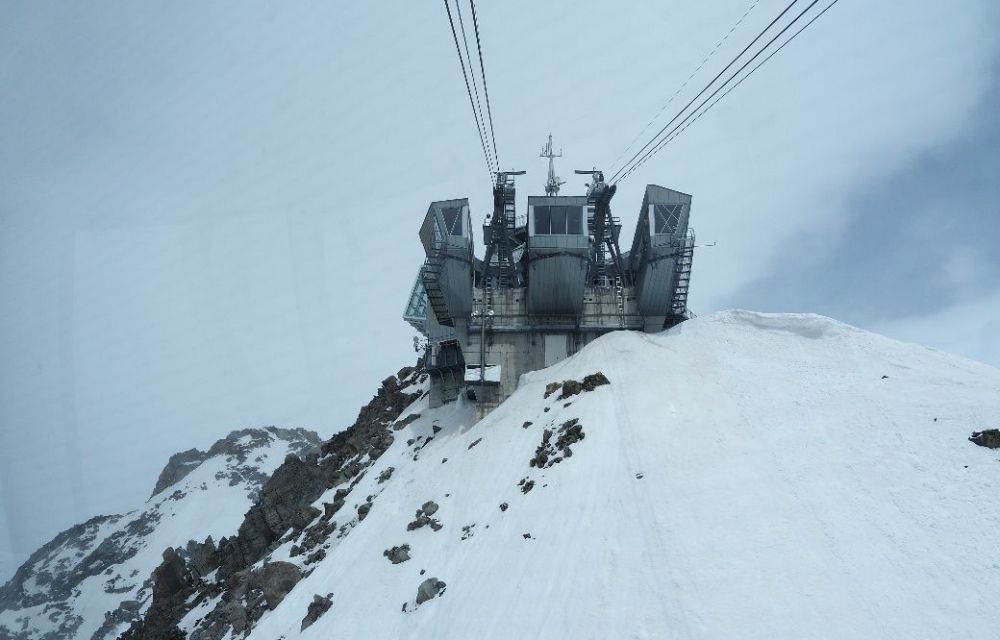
(990,438)
(276,580)
(398,554)
(429,588)
(319,606)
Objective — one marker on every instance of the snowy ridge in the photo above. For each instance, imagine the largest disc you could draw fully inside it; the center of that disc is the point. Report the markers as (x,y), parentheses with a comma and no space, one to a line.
(93,580)
(744,475)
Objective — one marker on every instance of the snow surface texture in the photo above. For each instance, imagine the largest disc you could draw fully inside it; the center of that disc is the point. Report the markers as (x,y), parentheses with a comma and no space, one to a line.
(92,580)
(743,476)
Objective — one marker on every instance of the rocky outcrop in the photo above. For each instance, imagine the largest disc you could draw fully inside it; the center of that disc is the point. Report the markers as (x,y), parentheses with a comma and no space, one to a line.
(283,511)
(398,554)
(275,580)
(423,518)
(178,466)
(429,588)
(237,447)
(989,438)
(548,453)
(573,387)
(319,606)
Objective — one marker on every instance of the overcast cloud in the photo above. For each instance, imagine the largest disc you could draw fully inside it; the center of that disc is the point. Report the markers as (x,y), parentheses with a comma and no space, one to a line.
(208,212)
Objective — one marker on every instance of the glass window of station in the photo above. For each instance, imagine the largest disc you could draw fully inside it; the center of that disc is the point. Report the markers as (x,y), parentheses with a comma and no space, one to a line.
(452,220)
(557,220)
(666,217)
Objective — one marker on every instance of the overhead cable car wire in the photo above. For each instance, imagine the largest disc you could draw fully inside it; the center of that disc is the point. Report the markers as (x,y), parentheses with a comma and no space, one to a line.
(482,69)
(708,86)
(684,84)
(468,89)
(475,87)
(698,112)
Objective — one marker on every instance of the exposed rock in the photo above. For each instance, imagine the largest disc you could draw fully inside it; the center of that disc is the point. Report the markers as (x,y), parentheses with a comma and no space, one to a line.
(475,442)
(573,387)
(364,509)
(405,422)
(429,588)
(503,506)
(569,433)
(385,475)
(422,517)
(178,466)
(526,424)
(551,388)
(989,438)
(398,554)
(319,606)
(283,506)
(275,580)
(527,485)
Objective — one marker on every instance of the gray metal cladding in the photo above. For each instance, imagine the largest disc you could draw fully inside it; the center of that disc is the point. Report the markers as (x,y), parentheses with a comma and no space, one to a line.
(663,221)
(558,251)
(557,273)
(446,234)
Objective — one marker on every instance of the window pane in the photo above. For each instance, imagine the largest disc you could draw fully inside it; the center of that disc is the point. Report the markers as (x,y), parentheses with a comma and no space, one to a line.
(559,220)
(542,216)
(574,222)
(452,220)
(667,217)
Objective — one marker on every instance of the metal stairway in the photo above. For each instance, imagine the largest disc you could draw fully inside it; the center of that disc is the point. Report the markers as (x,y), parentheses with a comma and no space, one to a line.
(682,278)
(431,275)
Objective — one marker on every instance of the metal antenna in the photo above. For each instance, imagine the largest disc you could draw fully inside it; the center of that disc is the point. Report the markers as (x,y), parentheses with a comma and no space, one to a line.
(552,184)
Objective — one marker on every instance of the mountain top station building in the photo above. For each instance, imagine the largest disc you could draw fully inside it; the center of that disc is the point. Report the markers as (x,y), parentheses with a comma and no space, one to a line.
(552,280)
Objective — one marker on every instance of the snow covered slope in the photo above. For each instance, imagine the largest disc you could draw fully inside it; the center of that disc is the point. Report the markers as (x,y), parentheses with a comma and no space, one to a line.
(742,476)
(93,580)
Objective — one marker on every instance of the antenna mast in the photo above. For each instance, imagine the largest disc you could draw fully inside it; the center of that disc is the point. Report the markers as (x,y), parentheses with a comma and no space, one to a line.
(552,184)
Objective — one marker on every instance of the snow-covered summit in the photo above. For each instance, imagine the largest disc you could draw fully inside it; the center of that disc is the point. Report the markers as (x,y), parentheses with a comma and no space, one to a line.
(94,579)
(742,475)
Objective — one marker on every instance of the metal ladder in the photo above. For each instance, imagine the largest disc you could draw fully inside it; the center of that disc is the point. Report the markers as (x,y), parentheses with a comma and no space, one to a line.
(682,280)
(431,276)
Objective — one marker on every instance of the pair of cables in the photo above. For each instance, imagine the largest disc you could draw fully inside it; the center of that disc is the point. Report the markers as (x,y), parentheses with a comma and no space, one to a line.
(688,115)
(484,123)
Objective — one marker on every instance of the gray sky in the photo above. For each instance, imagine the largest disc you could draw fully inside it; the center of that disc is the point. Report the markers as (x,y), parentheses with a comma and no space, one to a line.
(208,213)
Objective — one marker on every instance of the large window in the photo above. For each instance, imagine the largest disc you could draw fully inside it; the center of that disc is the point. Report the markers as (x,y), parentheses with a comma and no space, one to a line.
(452,220)
(558,220)
(666,217)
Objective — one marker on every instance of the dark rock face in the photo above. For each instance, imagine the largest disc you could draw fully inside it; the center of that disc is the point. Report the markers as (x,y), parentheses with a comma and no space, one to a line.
(398,554)
(989,438)
(238,445)
(319,606)
(275,580)
(589,383)
(178,466)
(548,453)
(429,588)
(423,518)
(56,575)
(405,422)
(283,511)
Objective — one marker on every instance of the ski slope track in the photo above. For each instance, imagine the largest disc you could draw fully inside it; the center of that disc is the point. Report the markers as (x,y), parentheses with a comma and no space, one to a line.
(742,475)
